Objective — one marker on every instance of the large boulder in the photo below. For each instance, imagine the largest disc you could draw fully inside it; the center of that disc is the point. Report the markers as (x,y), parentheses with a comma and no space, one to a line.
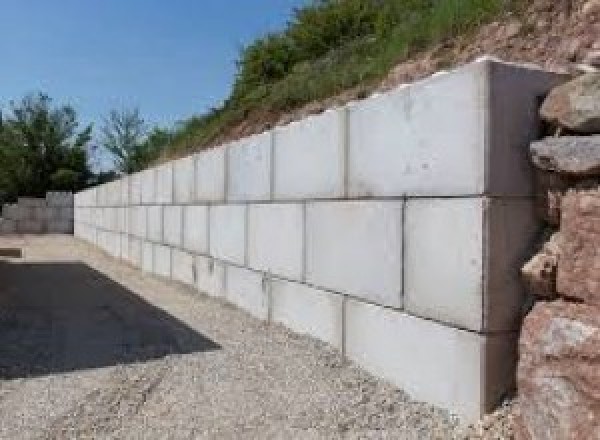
(575,156)
(559,373)
(578,274)
(575,105)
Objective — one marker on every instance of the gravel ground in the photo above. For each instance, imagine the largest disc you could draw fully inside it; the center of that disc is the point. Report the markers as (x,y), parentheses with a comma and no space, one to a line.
(139,357)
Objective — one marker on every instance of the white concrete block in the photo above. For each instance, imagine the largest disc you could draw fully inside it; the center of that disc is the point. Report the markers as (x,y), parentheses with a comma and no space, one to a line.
(246,289)
(249,168)
(356,248)
(210,175)
(147,257)
(184,178)
(443,260)
(164,183)
(161,260)
(275,239)
(135,189)
(228,232)
(424,139)
(309,157)
(124,185)
(308,311)
(172,225)
(441,365)
(210,276)
(155,223)
(183,267)
(135,251)
(148,186)
(137,221)
(124,244)
(195,229)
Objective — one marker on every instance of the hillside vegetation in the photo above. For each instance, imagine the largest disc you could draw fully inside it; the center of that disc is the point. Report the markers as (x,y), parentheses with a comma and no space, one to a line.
(327,47)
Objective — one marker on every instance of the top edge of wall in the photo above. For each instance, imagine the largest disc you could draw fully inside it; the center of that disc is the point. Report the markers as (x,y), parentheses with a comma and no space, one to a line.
(482,68)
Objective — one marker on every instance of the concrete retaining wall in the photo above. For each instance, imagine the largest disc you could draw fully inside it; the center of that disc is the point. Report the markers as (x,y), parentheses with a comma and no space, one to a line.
(52,215)
(392,228)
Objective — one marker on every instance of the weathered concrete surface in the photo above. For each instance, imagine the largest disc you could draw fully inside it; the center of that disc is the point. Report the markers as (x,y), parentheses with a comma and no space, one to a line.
(195,229)
(184,176)
(356,248)
(441,365)
(228,233)
(210,175)
(308,311)
(210,276)
(247,290)
(309,157)
(172,225)
(276,239)
(249,168)
(154,223)
(442,260)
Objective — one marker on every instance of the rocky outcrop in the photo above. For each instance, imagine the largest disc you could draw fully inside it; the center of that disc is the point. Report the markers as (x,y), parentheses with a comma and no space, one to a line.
(575,105)
(559,373)
(559,350)
(578,275)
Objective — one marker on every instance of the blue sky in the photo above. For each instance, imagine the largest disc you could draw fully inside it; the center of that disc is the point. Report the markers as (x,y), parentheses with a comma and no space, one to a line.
(170,58)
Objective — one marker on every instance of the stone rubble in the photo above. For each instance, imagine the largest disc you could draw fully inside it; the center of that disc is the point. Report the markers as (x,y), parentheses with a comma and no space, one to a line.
(558,376)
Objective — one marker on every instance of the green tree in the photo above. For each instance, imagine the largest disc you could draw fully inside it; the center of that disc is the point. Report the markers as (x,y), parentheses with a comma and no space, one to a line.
(124,136)
(41,149)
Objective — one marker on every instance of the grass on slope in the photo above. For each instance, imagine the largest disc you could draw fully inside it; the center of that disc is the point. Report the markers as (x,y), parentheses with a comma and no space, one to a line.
(328,47)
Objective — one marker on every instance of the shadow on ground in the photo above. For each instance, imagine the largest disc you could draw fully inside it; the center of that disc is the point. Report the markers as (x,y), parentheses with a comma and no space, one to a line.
(62,317)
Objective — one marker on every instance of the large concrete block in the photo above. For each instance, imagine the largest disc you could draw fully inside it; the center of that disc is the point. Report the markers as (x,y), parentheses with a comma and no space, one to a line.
(135,189)
(309,157)
(59,227)
(308,311)
(443,260)
(275,239)
(210,175)
(461,371)
(514,95)
(172,225)
(135,251)
(249,168)
(114,193)
(183,267)
(473,249)
(148,186)
(247,290)
(356,248)
(210,276)
(147,256)
(161,260)
(184,179)
(155,223)
(137,221)
(28,226)
(164,183)
(195,229)
(414,141)
(510,233)
(228,233)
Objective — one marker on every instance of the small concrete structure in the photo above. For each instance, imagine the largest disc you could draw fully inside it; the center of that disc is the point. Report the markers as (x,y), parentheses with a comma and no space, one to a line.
(52,215)
(392,228)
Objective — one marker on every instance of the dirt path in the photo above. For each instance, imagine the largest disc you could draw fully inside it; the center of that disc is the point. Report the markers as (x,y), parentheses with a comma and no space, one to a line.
(92,348)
